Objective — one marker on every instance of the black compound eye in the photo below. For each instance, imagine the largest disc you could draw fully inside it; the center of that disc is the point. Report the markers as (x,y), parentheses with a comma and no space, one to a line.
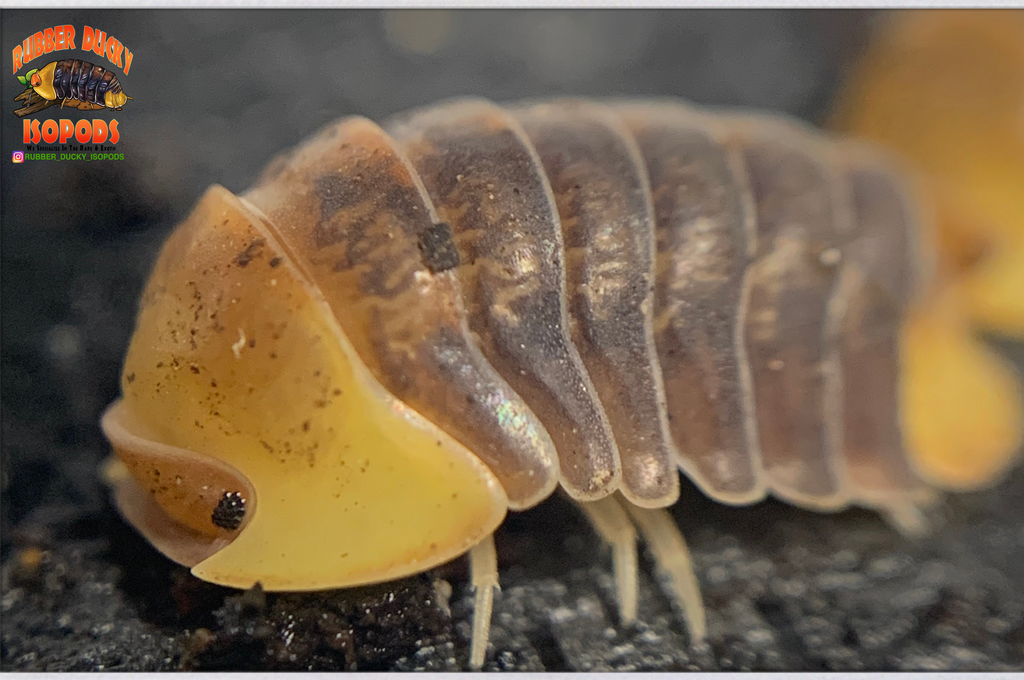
(230,511)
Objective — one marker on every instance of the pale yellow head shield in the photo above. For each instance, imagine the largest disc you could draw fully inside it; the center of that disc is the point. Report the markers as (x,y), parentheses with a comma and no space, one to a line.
(253,445)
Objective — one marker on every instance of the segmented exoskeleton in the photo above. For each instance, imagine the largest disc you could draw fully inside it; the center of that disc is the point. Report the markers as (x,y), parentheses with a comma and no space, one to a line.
(661,287)
(588,294)
(74,83)
(74,79)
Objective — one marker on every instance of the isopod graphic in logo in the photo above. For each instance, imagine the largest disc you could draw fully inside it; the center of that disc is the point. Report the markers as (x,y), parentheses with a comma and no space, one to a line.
(71,84)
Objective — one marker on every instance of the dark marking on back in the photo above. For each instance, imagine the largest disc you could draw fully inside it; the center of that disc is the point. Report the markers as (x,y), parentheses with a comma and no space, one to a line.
(335,192)
(438,248)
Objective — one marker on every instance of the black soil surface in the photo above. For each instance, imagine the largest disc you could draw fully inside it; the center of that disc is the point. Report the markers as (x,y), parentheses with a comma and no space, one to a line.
(216,95)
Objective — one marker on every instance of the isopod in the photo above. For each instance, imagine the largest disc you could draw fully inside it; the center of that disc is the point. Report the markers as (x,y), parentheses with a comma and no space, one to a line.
(350,372)
(77,84)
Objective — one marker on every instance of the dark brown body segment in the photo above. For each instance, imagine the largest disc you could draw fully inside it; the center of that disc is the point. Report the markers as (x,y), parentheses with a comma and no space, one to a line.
(91,87)
(486,181)
(62,78)
(69,83)
(78,86)
(602,193)
(793,364)
(356,221)
(704,239)
(875,287)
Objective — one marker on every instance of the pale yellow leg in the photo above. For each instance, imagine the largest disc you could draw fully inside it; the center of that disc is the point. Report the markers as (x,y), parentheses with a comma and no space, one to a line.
(483,567)
(672,556)
(612,523)
(907,518)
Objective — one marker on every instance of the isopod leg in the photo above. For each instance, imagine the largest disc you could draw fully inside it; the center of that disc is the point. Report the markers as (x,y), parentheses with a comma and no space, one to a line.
(612,523)
(672,557)
(907,517)
(483,567)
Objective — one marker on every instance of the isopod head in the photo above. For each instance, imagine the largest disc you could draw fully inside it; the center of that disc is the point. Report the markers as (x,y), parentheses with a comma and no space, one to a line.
(41,81)
(252,444)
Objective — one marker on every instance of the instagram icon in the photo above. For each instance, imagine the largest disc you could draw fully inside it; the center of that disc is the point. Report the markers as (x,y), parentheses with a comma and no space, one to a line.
(19,157)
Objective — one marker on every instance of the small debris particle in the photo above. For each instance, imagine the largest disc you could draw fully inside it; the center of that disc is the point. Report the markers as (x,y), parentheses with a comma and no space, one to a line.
(30,558)
(237,347)
(250,252)
(830,257)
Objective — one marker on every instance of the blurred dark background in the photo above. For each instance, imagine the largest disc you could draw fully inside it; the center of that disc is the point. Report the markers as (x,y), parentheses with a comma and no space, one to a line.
(216,94)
